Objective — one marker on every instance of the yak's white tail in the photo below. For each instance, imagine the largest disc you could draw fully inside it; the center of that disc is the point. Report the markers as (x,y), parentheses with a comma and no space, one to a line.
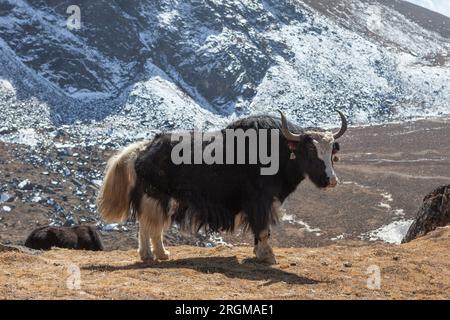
(113,200)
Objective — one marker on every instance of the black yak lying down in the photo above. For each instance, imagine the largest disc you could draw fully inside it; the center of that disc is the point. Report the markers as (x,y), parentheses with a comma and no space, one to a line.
(77,237)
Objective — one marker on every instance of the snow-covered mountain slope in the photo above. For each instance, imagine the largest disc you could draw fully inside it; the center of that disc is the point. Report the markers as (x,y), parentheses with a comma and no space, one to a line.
(139,66)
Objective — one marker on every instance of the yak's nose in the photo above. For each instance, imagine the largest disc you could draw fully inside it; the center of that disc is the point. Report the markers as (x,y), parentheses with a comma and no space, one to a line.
(333,182)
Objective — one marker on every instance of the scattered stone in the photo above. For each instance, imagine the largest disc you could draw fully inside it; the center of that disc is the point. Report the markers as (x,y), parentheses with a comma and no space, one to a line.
(324,263)
(25,185)
(66,172)
(63,152)
(348,264)
(111,227)
(97,182)
(4,130)
(37,199)
(70,222)
(6,197)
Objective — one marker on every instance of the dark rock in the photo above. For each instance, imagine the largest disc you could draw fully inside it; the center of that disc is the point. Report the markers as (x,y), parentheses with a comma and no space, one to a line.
(435,212)
(348,264)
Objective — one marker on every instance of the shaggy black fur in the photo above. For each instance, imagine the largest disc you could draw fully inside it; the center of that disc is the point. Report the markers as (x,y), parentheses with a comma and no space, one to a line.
(78,237)
(212,195)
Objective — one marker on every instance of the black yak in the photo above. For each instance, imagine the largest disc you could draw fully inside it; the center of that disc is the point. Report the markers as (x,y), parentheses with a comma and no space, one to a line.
(78,237)
(148,179)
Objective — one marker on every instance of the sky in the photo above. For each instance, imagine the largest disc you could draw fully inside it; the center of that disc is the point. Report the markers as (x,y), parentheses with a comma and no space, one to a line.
(441,6)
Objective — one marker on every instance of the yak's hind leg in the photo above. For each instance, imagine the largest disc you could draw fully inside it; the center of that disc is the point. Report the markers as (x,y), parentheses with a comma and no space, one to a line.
(145,252)
(263,250)
(152,223)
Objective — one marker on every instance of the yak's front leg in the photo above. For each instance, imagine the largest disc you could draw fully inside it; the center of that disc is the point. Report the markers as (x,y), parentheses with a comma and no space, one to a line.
(261,213)
(263,250)
(158,248)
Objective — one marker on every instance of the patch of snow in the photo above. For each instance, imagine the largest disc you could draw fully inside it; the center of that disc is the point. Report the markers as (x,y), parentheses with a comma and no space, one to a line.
(387,198)
(355,184)
(59,145)
(339,237)
(293,220)
(375,20)
(399,212)
(27,137)
(391,233)
(7,86)
(384,205)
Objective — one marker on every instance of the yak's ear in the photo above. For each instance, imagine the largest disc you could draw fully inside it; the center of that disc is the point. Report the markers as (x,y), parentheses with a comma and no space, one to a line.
(304,140)
(336,147)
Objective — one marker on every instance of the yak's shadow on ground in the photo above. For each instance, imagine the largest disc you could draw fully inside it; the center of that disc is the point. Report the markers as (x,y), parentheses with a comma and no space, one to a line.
(231,267)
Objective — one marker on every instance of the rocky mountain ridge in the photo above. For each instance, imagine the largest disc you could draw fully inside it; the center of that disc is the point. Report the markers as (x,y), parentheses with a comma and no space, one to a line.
(139,66)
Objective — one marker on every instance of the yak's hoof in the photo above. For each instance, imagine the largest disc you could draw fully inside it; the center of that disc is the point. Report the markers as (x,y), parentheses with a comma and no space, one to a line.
(268,259)
(163,255)
(265,255)
(146,256)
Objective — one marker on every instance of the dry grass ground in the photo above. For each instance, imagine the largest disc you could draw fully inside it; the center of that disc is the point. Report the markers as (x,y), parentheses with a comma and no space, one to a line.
(417,270)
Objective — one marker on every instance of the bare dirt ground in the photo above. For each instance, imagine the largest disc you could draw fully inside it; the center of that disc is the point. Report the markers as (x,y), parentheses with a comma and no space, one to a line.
(385,172)
(417,270)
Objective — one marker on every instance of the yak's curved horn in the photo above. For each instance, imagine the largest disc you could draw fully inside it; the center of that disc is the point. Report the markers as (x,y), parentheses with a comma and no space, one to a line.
(343,126)
(286,133)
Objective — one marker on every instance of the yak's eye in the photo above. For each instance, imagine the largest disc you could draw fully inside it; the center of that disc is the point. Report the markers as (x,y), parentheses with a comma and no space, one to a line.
(312,150)
(336,147)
